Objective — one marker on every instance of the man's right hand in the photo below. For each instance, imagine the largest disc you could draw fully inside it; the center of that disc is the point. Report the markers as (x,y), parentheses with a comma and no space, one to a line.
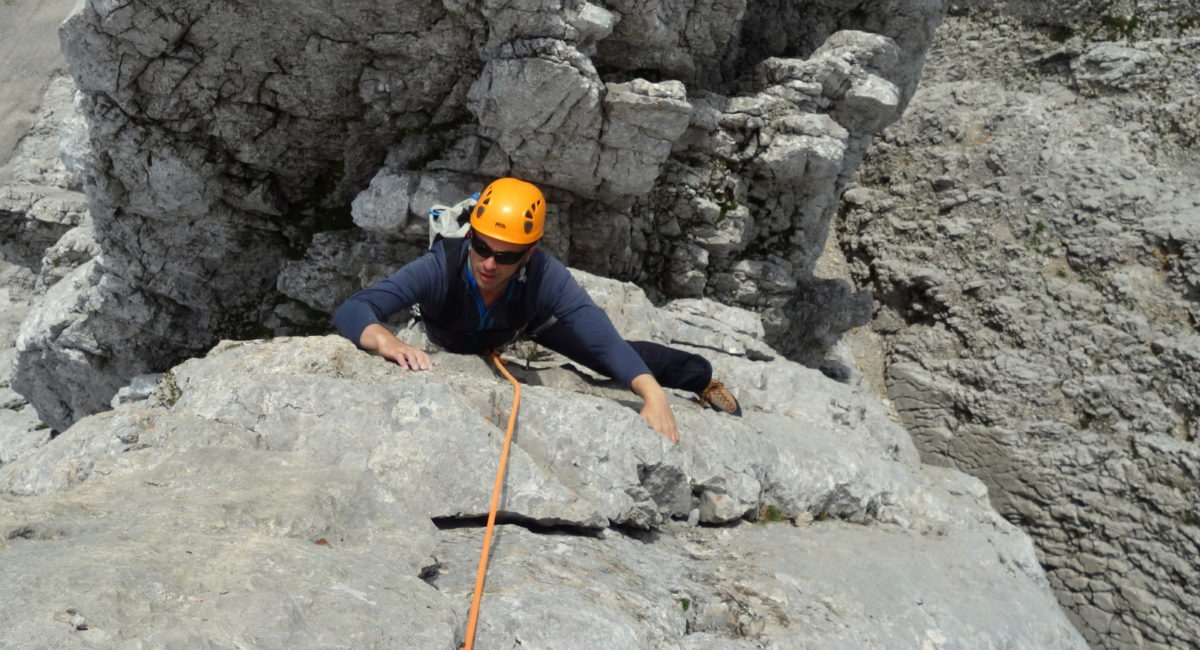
(377,338)
(407,356)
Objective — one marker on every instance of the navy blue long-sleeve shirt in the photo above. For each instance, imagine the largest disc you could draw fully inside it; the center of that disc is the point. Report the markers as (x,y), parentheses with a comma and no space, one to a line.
(547,290)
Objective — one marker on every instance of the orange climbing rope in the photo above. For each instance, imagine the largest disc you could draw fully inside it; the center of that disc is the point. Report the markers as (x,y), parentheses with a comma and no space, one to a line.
(491,522)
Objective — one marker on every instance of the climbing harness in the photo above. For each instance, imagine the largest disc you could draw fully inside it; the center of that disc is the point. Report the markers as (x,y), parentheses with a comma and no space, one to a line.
(491,522)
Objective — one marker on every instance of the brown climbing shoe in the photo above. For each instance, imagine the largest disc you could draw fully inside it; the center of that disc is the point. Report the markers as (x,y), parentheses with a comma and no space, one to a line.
(719,398)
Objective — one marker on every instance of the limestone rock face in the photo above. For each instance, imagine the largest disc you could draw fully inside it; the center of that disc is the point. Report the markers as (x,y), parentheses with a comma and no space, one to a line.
(45,233)
(1031,232)
(40,197)
(232,190)
(301,493)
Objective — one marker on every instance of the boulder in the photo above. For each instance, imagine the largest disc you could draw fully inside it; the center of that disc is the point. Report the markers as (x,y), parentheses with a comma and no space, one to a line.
(298,492)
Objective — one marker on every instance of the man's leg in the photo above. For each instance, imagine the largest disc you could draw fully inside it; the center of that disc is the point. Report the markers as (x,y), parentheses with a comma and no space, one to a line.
(672,368)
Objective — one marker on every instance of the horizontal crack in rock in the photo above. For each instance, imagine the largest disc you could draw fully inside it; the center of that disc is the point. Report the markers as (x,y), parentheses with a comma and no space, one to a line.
(539,526)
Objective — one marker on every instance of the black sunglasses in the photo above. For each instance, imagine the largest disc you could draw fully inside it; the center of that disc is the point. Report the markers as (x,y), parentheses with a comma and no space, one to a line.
(504,258)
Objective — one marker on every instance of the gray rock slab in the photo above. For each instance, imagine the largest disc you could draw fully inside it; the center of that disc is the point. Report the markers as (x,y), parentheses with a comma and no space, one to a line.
(29,59)
(220,547)
(21,431)
(829,585)
(283,493)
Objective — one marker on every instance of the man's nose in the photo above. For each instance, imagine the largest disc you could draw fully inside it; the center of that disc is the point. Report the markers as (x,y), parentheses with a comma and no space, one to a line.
(489,264)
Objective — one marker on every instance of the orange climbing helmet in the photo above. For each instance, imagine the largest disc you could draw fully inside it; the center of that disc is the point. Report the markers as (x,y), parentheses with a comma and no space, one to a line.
(510,210)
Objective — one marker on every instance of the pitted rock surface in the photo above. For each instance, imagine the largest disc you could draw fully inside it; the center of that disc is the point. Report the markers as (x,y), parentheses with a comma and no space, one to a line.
(1030,231)
(45,228)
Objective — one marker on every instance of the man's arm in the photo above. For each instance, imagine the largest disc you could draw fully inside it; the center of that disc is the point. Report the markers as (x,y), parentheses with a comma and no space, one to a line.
(377,338)
(359,318)
(576,310)
(655,408)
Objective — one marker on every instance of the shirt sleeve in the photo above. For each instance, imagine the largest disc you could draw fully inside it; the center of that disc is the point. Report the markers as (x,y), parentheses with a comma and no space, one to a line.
(422,281)
(575,309)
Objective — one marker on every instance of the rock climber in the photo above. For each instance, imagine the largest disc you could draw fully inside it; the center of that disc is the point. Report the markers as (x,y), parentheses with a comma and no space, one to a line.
(496,286)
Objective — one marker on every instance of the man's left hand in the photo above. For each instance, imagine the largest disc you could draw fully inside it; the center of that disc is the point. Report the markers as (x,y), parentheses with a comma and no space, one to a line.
(655,408)
(662,418)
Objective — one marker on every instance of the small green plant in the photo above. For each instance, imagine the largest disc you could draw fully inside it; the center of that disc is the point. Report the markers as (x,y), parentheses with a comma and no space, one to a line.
(1119,27)
(1061,34)
(685,604)
(1035,238)
(1061,273)
(770,514)
(1186,25)
(168,390)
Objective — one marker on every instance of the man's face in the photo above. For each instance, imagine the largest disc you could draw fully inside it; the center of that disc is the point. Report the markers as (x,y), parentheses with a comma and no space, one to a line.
(490,275)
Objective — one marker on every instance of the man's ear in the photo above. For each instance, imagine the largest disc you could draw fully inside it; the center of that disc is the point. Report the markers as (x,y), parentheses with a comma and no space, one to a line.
(529,252)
